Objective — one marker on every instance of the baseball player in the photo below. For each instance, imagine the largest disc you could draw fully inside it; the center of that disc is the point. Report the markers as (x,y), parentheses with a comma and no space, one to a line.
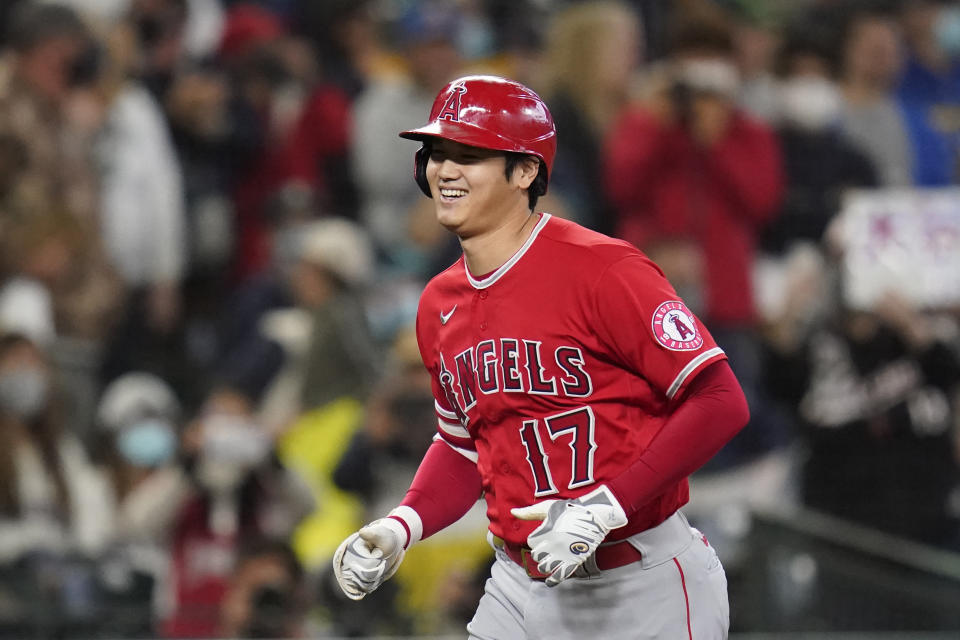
(574,391)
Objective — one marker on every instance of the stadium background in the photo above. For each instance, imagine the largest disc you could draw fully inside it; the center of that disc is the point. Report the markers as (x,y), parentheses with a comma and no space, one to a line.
(211,250)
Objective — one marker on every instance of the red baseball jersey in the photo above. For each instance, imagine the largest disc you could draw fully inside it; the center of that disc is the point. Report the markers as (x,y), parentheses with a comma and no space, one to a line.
(554,372)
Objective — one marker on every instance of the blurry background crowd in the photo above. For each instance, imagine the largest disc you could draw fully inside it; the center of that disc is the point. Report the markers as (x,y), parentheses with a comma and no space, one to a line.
(212,247)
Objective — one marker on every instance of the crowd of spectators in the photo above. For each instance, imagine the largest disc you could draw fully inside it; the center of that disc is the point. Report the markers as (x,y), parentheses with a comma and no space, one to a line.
(212,247)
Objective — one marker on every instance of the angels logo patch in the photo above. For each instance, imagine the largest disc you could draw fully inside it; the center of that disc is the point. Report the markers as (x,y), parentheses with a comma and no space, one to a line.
(675,327)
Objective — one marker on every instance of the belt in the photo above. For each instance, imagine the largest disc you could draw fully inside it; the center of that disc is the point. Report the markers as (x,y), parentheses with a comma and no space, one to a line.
(608,556)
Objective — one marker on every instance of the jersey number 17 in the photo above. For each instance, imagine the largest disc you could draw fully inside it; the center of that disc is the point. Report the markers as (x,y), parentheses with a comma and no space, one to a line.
(578,424)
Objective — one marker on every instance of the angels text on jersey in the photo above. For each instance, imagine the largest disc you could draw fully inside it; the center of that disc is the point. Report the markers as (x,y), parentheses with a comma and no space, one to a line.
(512,365)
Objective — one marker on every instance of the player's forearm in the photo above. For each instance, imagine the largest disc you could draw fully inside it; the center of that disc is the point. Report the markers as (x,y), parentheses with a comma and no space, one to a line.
(446,485)
(712,411)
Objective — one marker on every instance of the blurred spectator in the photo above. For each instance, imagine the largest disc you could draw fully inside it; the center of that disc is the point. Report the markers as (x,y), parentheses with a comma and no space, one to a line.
(871,118)
(52,499)
(138,417)
(48,131)
(335,264)
(756,40)
(161,29)
(875,394)
(243,493)
(304,125)
(819,163)
(694,180)
(592,56)
(216,135)
(142,194)
(54,516)
(405,236)
(930,88)
(267,596)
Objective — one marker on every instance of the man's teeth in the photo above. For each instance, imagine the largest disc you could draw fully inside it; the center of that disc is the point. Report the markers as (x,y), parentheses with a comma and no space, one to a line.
(452,193)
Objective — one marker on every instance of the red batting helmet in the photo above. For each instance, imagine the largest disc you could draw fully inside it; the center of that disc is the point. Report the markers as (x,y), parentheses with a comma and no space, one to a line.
(491,113)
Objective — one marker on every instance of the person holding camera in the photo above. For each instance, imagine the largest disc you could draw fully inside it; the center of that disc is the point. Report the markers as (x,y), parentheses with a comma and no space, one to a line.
(693,180)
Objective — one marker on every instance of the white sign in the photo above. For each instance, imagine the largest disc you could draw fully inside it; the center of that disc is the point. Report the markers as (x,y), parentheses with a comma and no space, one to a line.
(903,240)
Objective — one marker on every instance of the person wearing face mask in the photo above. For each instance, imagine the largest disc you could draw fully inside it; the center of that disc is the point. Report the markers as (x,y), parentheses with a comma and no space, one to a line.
(694,180)
(240,492)
(52,501)
(138,416)
(819,163)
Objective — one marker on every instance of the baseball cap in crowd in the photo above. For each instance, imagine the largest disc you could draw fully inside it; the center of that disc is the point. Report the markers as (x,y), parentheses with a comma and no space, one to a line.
(339,246)
(247,26)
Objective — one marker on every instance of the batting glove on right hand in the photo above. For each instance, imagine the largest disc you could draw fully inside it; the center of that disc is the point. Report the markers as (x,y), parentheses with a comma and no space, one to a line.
(571,531)
(369,557)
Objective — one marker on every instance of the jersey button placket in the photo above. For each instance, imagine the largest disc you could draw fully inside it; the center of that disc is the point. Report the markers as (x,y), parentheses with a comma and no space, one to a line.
(482,312)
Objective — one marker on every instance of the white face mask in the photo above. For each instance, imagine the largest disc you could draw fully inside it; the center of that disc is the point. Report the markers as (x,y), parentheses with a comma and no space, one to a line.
(711,75)
(230,447)
(23,392)
(148,443)
(234,439)
(809,102)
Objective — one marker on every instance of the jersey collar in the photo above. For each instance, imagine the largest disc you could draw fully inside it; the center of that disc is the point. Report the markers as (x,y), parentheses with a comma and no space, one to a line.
(499,273)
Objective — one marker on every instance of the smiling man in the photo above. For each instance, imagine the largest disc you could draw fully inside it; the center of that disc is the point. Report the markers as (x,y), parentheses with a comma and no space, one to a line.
(574,390)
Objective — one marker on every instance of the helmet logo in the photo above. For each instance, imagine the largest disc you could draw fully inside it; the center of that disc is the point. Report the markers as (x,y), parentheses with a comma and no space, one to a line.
(451,108)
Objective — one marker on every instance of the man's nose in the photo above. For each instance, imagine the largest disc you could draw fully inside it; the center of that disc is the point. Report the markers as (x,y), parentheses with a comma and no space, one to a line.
(449,169)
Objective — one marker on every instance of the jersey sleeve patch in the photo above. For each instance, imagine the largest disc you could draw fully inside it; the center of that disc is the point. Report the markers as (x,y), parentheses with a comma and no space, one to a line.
(675,327)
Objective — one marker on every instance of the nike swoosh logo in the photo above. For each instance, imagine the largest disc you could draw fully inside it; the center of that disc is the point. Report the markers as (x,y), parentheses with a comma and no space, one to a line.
(445,317)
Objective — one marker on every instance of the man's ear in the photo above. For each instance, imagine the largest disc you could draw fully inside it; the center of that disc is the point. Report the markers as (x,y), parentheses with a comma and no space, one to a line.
(526,171)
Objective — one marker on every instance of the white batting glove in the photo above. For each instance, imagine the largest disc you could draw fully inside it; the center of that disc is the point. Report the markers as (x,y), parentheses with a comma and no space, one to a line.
(571,531)
(369,557)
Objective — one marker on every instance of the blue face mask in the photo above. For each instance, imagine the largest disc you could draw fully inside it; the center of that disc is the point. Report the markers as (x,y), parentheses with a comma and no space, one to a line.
(148,443)
(947,31)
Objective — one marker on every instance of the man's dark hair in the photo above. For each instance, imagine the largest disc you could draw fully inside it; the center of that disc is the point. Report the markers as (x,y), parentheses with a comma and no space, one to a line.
(805,42)
(31,24)
(702,34)
(539,185)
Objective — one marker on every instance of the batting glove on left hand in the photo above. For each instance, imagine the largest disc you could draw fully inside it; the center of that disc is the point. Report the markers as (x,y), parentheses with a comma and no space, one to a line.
(369,557)
(571,531)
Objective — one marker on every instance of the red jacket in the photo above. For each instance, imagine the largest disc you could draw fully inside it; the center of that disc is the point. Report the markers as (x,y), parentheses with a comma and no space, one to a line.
(664,185)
